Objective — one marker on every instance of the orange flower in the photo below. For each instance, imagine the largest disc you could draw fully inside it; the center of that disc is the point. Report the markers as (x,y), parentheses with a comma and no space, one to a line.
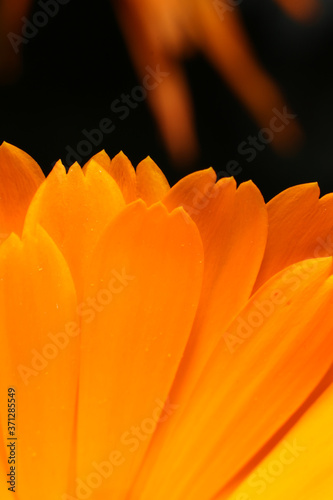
(162,343)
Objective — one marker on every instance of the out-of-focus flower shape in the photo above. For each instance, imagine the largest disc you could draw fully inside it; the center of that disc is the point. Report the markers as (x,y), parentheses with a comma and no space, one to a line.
(11,14)
(303,10)
(160,34)
(163,343)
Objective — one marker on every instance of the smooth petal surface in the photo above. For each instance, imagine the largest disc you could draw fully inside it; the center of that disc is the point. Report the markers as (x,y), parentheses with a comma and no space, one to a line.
(133,337)
(142,292)
(269,360)
(39,358)
(122,170)
(75,209)
(102,158)
(233,228)
(151,183)
(20,177)
(301,465)
(300,227)
(146,182)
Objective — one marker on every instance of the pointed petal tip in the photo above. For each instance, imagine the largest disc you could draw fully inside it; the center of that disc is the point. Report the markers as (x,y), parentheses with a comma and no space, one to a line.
(9,152)
(75,169)
(311,188)
(226,181)
(20,178)
(151,183)
(121,156)
(59,165)
(12,240)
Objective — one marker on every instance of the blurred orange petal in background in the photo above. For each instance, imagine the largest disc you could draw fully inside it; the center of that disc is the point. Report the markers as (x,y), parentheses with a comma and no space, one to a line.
(160,34)
(11,14)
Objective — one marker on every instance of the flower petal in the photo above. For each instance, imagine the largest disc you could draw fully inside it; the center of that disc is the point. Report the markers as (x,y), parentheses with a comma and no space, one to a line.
(268,362)
(301,465)
(101,158)
(148,181)
(20,178)
(233,228)
(123,173)
(142,294)
(74,209)
(300,227)
(39,358)
(151,183)
(121,169)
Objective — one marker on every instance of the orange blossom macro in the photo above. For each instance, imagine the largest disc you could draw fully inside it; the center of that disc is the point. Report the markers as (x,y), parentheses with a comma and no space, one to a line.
(162,343)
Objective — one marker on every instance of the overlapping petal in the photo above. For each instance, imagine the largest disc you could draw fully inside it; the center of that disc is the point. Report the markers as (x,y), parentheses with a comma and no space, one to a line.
(147,182)
(300,227)
(123,173)
(20,178)
(167,377)
(233,227)
(143,287)
(228,220)
(75,209)
(267,363)
(152,185)
(39,335)
(301,464)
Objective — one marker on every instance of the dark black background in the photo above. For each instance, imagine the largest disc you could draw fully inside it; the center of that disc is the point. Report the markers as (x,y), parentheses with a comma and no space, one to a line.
(78,64)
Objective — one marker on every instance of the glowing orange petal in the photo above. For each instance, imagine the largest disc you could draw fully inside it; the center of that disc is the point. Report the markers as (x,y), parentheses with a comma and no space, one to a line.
(233,228)
(101,158)
(39,358)
(142,292)
(152,185)
(20,178)
(75,209)
(301,465)
(121,169)
(300,227)
(123,173)
(265,366)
